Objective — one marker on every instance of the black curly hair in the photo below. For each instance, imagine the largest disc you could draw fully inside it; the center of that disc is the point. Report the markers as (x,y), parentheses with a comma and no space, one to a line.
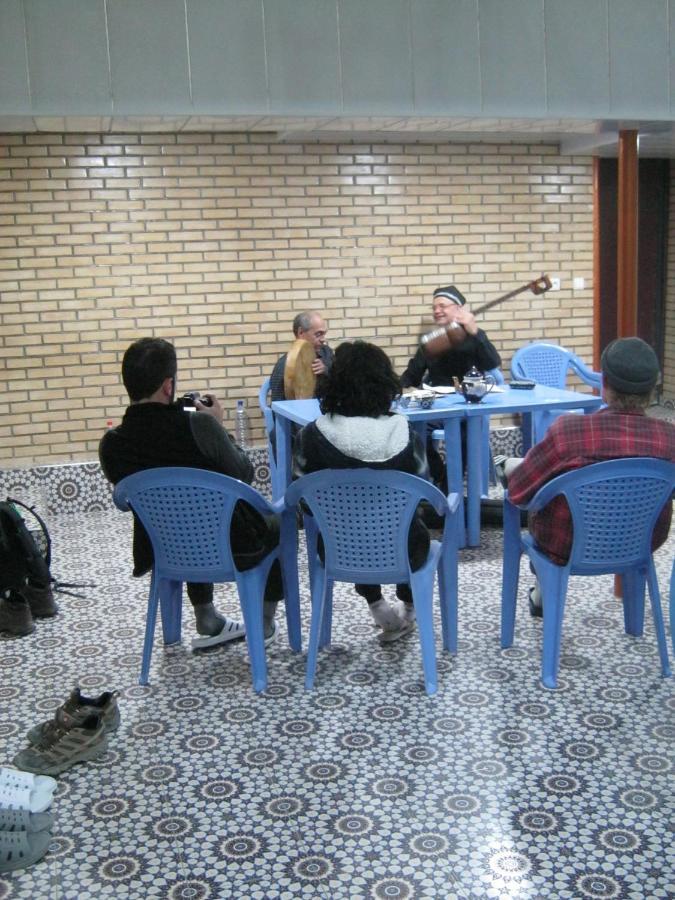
(361,382)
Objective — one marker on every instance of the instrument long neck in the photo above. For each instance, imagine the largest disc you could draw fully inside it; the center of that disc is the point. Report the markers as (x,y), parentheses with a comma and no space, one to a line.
(485,306)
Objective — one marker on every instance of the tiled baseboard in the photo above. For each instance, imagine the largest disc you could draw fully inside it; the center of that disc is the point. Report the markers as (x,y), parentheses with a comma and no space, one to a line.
(81,487)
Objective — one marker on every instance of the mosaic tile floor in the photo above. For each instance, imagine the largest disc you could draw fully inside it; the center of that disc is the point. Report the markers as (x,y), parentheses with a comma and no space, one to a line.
(365,788)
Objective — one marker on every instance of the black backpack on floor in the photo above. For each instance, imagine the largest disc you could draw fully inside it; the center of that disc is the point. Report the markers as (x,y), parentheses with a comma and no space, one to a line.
(21,558)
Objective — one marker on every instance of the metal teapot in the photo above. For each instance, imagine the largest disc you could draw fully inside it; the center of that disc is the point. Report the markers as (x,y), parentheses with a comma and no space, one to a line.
(476,385)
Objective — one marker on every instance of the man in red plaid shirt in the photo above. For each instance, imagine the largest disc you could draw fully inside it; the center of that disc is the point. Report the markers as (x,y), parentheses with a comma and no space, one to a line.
(630,370)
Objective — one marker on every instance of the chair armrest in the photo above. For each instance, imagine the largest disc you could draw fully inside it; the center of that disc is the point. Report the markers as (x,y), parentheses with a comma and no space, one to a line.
(119,499)
(587,375)
(279,506)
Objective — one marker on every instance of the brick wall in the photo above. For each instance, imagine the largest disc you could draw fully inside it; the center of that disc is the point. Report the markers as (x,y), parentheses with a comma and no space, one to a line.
(215,241)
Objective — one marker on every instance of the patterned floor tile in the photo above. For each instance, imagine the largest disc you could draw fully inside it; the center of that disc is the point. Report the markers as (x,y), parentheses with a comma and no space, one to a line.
(365,787)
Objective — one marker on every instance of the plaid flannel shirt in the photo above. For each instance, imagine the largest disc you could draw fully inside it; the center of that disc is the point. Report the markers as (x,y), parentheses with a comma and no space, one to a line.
(574,441)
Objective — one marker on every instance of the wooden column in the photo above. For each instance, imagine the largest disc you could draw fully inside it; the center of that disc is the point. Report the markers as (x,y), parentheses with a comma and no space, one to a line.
(627,234)
(627,249)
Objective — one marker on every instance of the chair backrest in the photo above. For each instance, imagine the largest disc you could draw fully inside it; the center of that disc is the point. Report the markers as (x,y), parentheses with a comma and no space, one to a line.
(364,517)
(614,507)
(265,407)
(548,364)
(187,514)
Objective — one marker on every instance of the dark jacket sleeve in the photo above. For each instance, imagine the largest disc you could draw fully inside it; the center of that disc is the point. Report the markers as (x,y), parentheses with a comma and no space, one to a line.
(217,445)
(486,352)
(414,374)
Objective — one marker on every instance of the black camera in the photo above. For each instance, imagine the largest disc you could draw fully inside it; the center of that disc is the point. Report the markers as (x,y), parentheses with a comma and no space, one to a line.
(188,400)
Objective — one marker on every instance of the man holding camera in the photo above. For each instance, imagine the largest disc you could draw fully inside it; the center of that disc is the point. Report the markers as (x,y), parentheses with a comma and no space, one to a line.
(157,432)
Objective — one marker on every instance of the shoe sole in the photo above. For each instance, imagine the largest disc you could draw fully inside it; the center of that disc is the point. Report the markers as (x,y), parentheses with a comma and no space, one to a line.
(388,637)
(22,633)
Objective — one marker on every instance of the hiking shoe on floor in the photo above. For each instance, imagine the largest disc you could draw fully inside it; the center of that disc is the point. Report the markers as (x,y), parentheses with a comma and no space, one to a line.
(77,744)
(74,711)
(40,600)
(15,616)
(20,849)
(231,631)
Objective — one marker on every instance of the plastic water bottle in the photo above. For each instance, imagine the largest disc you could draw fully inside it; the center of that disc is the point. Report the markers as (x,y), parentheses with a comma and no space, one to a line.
(242,427)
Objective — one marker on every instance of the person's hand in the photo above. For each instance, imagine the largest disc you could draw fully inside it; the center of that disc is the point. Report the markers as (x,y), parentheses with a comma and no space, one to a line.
(215,410)
(467,319)
(318,366)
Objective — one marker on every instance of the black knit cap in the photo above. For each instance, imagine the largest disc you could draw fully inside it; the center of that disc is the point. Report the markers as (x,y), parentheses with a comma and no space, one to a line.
(451,293)
(629,365)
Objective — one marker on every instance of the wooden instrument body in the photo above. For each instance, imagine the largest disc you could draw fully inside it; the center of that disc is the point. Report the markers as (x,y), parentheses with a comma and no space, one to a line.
(299,378)
(448,337)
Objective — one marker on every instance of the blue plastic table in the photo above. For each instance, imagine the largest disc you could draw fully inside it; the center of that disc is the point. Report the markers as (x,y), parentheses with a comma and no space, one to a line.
(450,409)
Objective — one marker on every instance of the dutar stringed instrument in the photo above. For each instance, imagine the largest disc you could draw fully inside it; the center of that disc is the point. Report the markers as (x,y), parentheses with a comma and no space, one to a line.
(440,340)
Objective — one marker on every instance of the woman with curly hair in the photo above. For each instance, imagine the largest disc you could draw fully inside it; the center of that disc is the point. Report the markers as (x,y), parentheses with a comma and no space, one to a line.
(358,429)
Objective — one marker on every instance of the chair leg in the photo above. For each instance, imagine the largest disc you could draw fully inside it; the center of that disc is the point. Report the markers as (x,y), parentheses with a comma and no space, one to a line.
(422,590)
(150,622)
(251,587)
(634,602)
(327,618)
(672,607)
(486,456)
(655,600)
(553,581)
(288,559)
(171,610)
(319,592)
(510,573)
(447,593)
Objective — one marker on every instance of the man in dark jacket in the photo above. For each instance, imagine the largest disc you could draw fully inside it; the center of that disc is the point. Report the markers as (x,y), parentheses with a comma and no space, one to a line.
(307,326)
(449,306)
(157,432)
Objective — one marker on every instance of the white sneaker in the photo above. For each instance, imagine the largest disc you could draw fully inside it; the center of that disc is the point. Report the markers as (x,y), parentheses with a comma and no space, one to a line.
(384,614)
(406,611)
(231,631)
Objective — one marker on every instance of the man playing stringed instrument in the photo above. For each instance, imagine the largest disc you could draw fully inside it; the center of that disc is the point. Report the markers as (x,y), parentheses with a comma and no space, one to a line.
(449,306)
(310,327)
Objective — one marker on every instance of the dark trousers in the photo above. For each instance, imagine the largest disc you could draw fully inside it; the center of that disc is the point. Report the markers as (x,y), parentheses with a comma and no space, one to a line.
(437,467)
(201,593)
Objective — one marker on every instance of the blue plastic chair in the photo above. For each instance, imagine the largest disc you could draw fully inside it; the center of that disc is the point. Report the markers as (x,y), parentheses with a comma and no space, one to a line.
(614,507)
(364,516)
(268,416)
(549,364)
(187,514)
(488,475)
